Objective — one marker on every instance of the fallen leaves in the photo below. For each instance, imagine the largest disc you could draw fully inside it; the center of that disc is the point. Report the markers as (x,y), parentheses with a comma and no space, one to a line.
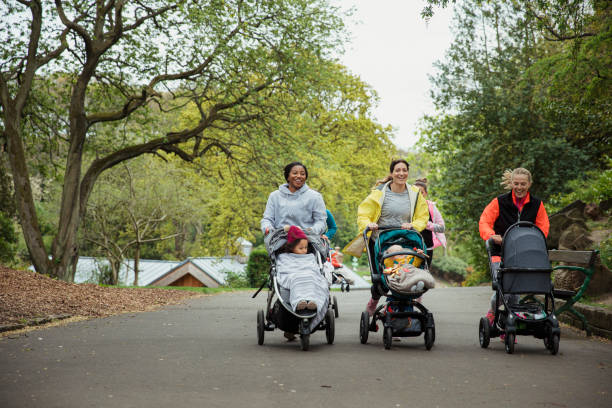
(26,295)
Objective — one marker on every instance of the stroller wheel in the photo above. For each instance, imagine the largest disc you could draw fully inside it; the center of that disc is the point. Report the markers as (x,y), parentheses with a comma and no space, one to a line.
(509,343)
(305,341)
(484,332)
(364,327)
(260,327)
(342,286)
(554,344)
(335,307)
(330,326)
(388,337)
(348,287)
(304,335)
(429,338)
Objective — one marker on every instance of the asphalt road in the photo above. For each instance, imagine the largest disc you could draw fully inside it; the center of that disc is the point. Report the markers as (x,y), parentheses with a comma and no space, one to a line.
(204,353)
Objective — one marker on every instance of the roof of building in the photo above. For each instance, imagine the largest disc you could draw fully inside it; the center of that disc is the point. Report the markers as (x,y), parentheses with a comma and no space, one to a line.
(151,270)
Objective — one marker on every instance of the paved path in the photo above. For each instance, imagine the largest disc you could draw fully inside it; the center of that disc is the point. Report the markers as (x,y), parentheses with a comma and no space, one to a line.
(204,354)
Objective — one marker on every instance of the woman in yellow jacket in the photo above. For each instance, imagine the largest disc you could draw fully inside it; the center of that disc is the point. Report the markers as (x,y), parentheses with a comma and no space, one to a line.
(392,202)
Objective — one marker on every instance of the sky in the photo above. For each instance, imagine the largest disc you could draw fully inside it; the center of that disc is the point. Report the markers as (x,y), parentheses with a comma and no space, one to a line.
(393,50)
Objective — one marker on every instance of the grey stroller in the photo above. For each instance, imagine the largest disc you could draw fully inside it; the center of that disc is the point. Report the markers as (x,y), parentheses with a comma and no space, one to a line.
(524,270)
(278,312)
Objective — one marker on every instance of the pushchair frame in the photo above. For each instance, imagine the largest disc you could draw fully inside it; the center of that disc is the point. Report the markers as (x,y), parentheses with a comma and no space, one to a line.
(393,311)
(521,280)
(279,313)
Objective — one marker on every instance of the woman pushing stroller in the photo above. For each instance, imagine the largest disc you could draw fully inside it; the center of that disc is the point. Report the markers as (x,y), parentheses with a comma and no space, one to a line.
(392,202)
(503,211)
(293,222)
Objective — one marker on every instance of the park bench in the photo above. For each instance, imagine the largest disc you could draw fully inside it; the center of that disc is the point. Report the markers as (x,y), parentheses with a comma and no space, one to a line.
(586,262)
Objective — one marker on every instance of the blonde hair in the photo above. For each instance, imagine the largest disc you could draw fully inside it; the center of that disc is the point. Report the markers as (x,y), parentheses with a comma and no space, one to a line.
(509,175)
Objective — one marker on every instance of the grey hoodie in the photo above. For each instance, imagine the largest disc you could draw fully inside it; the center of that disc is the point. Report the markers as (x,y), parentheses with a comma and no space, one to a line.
(304,208)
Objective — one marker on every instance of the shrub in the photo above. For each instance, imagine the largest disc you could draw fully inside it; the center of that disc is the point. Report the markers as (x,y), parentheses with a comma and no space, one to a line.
(258,267)
(236,280)
(605,252)
(8,239)
(451,264)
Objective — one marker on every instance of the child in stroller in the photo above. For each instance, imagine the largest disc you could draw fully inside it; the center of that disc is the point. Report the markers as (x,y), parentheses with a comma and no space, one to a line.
(336,259)
(524,270)
(402,314)
(298,298)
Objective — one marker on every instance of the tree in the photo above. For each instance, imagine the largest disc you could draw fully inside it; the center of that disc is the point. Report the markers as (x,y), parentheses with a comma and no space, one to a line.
(124,216)
(218,56)
(498,112)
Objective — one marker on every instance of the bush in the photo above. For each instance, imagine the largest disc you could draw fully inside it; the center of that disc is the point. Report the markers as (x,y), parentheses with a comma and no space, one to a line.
(450,268)
(605,252)
(258,267)
(236,280)
(8,239)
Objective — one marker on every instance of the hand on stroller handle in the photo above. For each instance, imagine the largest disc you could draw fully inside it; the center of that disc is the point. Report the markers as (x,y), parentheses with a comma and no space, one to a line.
(374,227)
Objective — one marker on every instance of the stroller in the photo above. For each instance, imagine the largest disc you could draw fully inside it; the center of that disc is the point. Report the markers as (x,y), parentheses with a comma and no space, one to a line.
(338,277)
(524,270)
(398,314)
(279,313)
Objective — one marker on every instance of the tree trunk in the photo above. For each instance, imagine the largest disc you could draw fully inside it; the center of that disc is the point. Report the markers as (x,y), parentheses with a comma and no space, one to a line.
(23,192)
(136,263)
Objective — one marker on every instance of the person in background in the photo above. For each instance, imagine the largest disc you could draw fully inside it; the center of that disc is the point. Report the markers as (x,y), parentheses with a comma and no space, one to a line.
(433,234)
(331,226)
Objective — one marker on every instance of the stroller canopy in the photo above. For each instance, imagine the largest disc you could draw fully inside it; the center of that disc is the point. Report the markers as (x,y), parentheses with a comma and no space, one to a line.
(524,248)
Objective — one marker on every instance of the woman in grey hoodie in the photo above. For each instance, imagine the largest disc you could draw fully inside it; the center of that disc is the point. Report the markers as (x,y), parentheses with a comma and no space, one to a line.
(294,203)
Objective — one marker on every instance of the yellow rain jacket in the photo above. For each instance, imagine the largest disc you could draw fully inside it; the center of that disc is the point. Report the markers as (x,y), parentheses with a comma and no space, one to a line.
(369,211)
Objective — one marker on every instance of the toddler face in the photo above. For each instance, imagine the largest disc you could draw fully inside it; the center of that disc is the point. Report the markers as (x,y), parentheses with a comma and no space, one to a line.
(301,247)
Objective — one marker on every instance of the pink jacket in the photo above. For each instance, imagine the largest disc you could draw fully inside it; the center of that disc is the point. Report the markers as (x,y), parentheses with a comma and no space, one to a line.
(436,226)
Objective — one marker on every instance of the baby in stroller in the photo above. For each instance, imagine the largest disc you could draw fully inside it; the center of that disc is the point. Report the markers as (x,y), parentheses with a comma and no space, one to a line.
(298,271)
(403,272)
(298,299)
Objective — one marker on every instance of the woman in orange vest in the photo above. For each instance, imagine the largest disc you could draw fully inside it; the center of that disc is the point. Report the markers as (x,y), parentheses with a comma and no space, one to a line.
(503,211)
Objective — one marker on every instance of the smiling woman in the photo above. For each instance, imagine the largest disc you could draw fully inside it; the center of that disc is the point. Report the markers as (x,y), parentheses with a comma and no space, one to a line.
(294,203)
(393,202)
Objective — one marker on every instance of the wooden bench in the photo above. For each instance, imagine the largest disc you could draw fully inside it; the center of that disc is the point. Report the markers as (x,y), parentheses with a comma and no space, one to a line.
(587,261)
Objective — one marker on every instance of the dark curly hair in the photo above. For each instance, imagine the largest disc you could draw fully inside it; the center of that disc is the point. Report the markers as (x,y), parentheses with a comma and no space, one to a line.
(292,165)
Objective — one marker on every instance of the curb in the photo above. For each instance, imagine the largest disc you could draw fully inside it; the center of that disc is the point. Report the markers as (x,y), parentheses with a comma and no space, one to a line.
(33,322)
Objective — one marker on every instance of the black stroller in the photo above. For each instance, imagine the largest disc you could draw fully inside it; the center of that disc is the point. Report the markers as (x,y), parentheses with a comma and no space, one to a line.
(279,313)
(524,270)
(398,314)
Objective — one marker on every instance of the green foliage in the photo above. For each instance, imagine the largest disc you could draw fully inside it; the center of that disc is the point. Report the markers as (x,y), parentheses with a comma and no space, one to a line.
(8,239)
(605,252)
(513,106)
(594,186)
(103,274)
(258,267)
(236,280)
(451,265)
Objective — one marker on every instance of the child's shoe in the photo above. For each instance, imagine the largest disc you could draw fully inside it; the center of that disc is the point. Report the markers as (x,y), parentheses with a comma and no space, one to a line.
(301,305)
(311,305)
(371,306)
(419,286)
